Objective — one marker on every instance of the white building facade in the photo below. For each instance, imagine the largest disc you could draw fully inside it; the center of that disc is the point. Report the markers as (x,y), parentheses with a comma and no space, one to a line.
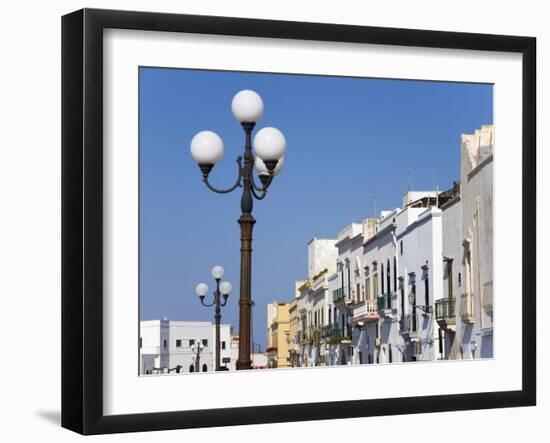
(314,306)
(169,346)
(465,312)
(415,284)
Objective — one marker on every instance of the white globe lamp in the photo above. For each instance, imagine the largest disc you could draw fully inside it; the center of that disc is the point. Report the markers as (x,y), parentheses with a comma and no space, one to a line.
(270,146)
(247,106)
(201,289)
(262,168)
(207,149)
(226,288)
(217,272)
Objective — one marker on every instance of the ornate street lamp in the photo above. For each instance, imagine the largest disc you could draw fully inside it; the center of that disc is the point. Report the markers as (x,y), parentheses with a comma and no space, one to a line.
(223,289)
(269,148)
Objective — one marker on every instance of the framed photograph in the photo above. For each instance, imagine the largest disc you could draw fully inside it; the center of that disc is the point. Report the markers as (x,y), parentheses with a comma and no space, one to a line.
(268,221)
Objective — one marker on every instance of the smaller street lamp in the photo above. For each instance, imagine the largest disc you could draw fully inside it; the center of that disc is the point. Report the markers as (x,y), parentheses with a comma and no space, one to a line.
(197,348)
(223,289)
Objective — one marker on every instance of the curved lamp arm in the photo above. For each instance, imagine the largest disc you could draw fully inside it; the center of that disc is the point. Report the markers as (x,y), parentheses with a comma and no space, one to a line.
(259,196)
(263,190)
(208,304)
(232,188)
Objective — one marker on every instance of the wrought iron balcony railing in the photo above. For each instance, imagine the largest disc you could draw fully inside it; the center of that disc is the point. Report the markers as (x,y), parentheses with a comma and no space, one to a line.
(384,302)
(410,323)
(340,294)
(335,333)
(445,309)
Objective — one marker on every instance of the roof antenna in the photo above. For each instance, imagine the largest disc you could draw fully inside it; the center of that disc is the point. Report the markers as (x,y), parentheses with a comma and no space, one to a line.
(409,186)
(435,186)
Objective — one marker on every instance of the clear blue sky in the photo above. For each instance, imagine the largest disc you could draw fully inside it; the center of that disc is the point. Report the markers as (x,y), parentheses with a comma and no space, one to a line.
(346,137)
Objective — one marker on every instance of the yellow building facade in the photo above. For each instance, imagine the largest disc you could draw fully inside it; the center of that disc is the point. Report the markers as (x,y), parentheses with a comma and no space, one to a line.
(278,335)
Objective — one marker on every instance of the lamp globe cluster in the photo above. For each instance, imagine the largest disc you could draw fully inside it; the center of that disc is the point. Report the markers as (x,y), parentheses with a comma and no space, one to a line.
(269,143)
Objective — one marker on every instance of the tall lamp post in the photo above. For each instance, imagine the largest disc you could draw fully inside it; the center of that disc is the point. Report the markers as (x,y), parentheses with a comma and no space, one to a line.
(269,148)
(223,289)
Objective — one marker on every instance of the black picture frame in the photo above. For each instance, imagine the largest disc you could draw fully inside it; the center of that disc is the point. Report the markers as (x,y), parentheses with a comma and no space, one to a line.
(82,218)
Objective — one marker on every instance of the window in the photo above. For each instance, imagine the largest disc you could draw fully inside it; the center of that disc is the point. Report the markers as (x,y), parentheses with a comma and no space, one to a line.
(450,279)
(413,289)
(388,276)
(401,247)
(426,290)
(204,368)
(204,342)
(348,295)
(395,274)
(367,288)
(350,351)
(191,368)
(402,290)
(178,343)
(223,345)
(191,342)
(358,295)
(164,343)
(382,279)
(459,280)
(140,342)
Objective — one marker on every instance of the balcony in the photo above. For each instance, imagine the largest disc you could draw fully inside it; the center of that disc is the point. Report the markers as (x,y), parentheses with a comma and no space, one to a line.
(334,334)
(467,308)
(410,325)
(445,313)
(313,335)
(366,311)
(341,295)
(487,296)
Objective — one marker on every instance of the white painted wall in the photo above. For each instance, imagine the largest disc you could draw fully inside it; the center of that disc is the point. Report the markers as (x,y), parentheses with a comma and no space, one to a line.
(169,342)
(476,180)
(321,255)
